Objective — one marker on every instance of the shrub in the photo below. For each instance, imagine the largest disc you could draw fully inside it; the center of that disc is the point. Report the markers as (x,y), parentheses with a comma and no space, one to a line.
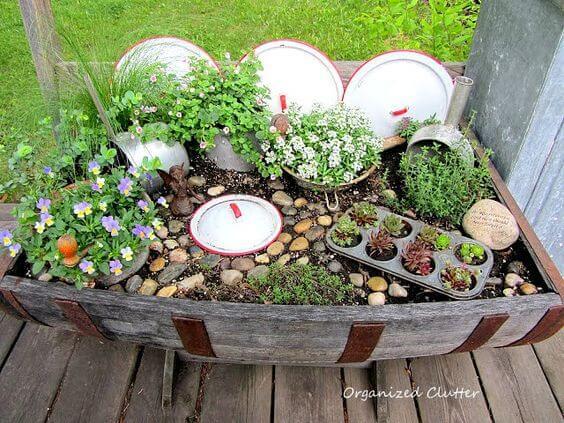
(300,284)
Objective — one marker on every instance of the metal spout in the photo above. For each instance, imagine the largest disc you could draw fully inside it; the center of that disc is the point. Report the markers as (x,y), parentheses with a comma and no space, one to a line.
(462,88)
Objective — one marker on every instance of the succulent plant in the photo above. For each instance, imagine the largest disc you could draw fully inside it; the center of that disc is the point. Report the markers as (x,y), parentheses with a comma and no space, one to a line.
(458,278)
(365,214)
(428,234)
(380,244)
(346,231)
(393,224)
(442,242)
(417,258)
(470,253)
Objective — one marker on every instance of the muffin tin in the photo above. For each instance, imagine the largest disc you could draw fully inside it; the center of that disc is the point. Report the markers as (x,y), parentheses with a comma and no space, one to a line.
(440,258)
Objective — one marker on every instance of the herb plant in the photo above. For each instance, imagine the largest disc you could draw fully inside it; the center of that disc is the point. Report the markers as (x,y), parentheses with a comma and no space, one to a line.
(364,214)
(456,278)
(409,126)
(417,258)
(300,284)
(442,242)
(393,225)
(471,253)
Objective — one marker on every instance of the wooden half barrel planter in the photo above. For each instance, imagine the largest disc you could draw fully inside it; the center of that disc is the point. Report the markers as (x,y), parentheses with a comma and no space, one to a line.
(299,335)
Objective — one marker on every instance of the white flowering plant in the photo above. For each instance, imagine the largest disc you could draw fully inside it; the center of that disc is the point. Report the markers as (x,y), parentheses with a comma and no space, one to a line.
(328,146)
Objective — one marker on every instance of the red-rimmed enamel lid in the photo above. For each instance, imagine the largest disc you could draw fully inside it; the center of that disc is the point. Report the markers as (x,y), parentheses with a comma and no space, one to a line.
(174,53)
(398,84)
(234,225)
(298,73)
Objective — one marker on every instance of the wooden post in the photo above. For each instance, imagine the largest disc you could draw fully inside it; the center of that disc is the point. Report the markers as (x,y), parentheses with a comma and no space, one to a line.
(45,49)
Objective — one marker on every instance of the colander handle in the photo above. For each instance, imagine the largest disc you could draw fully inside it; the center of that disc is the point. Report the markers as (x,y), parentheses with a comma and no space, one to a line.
(335,207)
(236,210)
(283,104)
(399,112)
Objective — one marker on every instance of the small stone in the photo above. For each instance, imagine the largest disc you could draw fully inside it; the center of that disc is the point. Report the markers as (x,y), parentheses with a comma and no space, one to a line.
(280,198)
(225,264)
(258,271)
(196,252)
(285,237)
(175,226)
(337,216)
(492,223)
(262,259)
(304,214)
(116,288)
(284,259)
(210,260)
(289,221)
(334,266)
(512,280)
(357,279)
(191,282)
(215,191)
(275,184)
(289,211)
(231,277)
(528,288)
(325,220)
(303,260)
(319,246)
(196,181)
(133,284)
(162,233)
(494,281)
(156,246)
(318,207)
(509,292)
(315,233)
(243,264)
(396,290)
(172,271)
(178,256)
(410,213)
(45,277)
(377,284)
(184,241)
(360,292)
(376,298)
(389,194)
(157,264)
(275,248)
(300,202)
(516,267)
(167,291)
(149,287)
(299,244)
(171,244)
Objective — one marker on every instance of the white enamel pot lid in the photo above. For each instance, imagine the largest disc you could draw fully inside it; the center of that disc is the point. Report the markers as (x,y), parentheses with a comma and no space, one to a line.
(298,73)
(173,52)
(235,225)
(399,84)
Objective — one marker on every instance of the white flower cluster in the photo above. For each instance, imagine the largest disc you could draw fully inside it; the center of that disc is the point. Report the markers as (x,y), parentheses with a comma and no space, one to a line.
(328,145)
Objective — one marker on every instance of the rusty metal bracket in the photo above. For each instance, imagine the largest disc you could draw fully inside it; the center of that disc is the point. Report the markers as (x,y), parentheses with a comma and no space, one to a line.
(16,309)
(548,325)
(483,332)
(76,314)
(194,336)
(363,338)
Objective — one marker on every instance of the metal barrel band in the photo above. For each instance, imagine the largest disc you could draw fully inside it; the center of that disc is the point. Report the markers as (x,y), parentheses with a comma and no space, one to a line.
(548,325)
(194,336)
(483,332)
(15,307)
(76,314)
(363,338)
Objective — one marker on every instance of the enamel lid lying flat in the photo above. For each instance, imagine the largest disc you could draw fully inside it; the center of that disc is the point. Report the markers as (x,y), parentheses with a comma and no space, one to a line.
(234,225)
(172,52)
(298,73)
(399,84)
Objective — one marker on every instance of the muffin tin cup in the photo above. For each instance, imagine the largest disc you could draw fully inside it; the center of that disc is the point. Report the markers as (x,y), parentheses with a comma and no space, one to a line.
(441,258)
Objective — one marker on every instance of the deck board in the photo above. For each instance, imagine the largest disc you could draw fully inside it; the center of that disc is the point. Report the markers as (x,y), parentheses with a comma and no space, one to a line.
(550,354)
(359,409)
(9,330)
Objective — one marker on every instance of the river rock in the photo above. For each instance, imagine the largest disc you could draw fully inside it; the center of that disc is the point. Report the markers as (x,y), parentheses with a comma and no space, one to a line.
(492,223)
(528,288)
(376,298)
(196,181)
(284,259)
(258,271)
(133,284)
(171,244)
(243,264)
(335,267)
(157,264)
(184,241)
(191,282)
(215,191)
(304,214)
(289,211)
(325,220)
(389,194)
(231,277)
(284,237)
(116,288)
(300,202)
(179,255)
(196,252)
(289,221)
(377,284)
(275,184)
(493,281)
(357,279)
(275,248)
(513,280)
(509,292)
(167,291)
(262,259)
(210,260)
(172,271)
(516,267)
(162,233)
(175,226)
(280,198)
(396,290)
(299,244)
(156,246)
(303,260)
(315,233)
(45,277)
(149,287)
(319,246)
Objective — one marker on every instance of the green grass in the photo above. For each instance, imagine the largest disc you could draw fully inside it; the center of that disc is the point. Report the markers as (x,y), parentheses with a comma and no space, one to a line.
(104,28)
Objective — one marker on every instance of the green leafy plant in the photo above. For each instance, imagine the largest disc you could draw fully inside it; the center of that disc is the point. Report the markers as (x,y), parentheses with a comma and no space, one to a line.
(428,234)
(471,253)
(346,232)
(442,184)
(381,244)
(300,284)
(393,224)
(409,126)
(329,145)
(364,214)
(458,278)
(417,258)
(442,242)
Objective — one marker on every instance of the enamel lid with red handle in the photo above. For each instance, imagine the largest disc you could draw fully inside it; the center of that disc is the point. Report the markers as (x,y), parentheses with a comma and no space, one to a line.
(235,225)
(297,73)
(399,84)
